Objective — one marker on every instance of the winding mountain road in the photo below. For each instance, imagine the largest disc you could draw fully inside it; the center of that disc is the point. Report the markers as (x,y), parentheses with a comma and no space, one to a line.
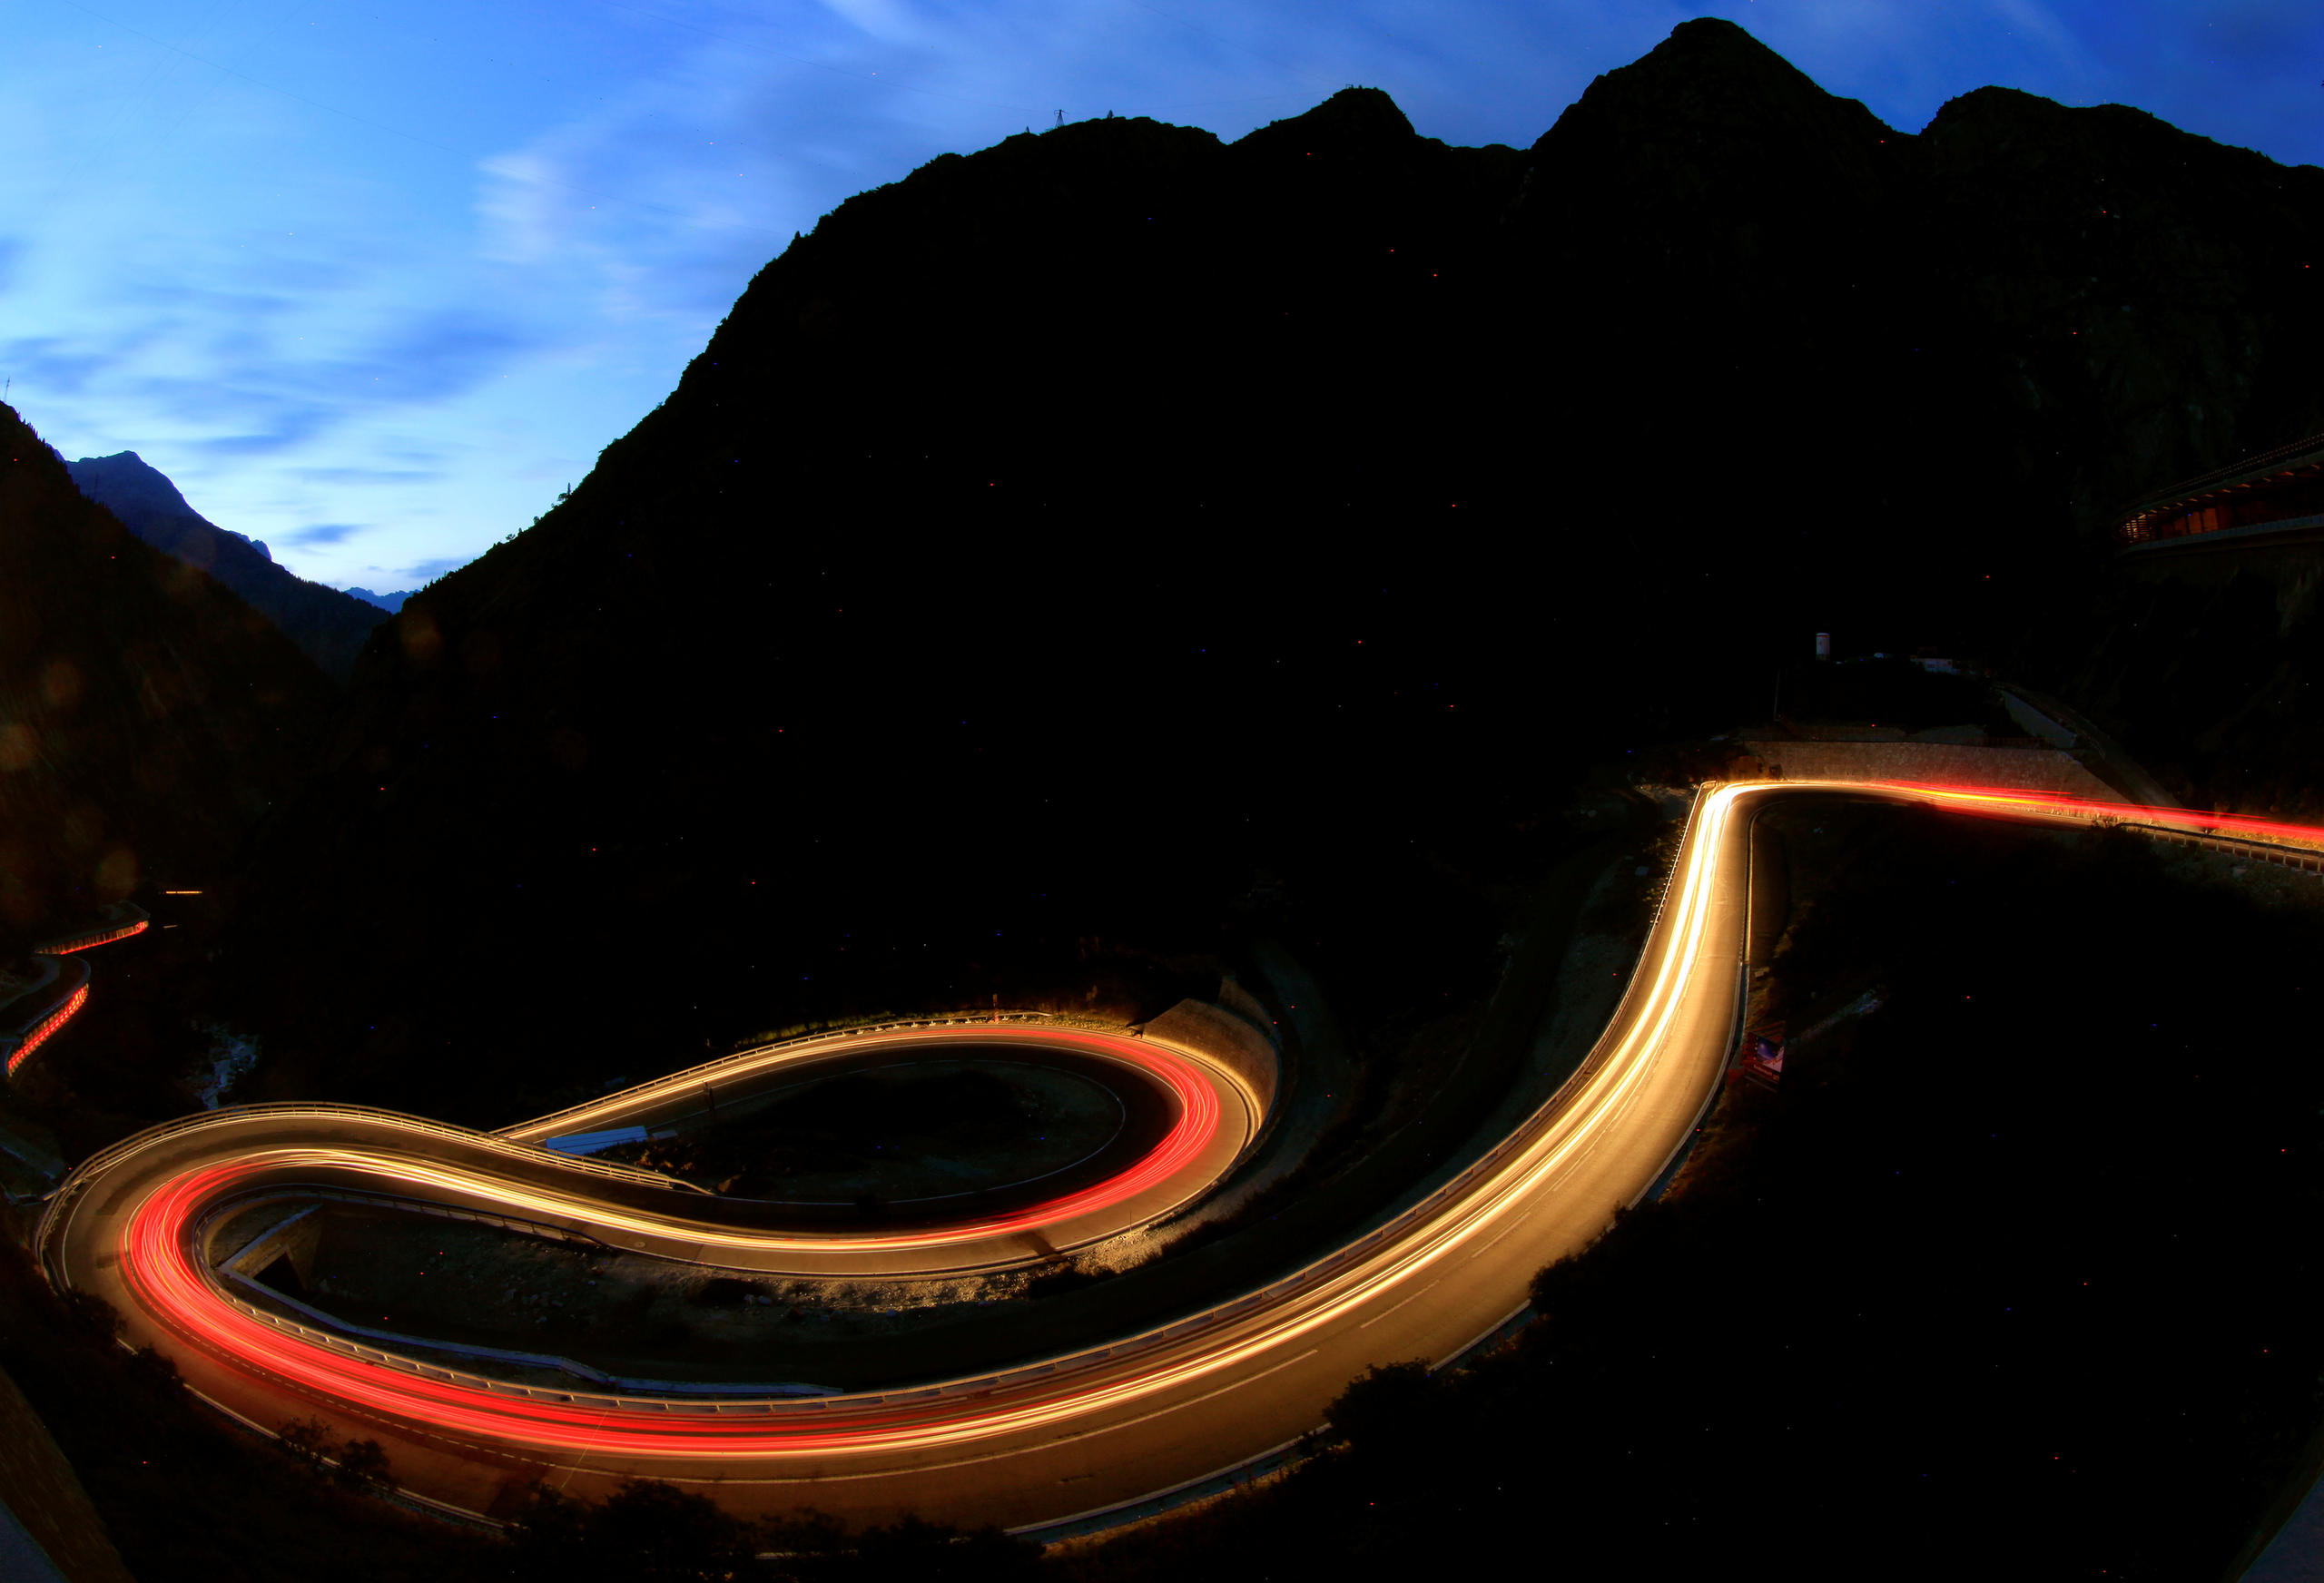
(1057,1439)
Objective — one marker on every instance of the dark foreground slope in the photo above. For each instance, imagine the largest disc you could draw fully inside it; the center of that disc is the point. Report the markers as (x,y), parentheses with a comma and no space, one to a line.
(2001,1283)
(1116,536)
(328,625)
(147,716)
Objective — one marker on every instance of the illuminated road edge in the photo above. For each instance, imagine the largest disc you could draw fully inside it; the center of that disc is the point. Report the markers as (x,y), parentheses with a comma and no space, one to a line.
(1047,1443)
(119,921)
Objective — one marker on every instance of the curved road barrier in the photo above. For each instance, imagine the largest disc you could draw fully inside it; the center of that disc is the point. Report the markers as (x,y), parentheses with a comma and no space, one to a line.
(1054,1440)
(17,1043)
(116,921)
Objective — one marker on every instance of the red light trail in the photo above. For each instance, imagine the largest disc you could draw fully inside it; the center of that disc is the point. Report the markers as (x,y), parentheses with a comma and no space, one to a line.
(82,942)
(47,1026)
(1043,1438)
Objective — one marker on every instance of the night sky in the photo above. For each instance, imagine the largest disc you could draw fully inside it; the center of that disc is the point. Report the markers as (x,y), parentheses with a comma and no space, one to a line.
(373,284)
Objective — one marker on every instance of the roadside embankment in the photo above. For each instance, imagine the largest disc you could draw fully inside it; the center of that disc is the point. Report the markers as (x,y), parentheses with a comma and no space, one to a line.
(1930,764)
(39,1486)
(40,996)
(1227,1038)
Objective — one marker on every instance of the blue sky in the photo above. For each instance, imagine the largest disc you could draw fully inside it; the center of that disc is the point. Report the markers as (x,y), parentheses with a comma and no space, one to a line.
(373,282)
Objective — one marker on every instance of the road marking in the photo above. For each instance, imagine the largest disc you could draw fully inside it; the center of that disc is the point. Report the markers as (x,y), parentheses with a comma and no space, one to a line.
(1384,1313)
(1464,1348)
(1505,1230)
(1232,1468)
(1627,1081)
(1021,1450)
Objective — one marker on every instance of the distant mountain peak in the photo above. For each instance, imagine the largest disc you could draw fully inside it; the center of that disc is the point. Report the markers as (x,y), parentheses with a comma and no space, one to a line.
(1354,121)
(185,716)
(329,625)
(1710,77)
(1715,41)
(127,479)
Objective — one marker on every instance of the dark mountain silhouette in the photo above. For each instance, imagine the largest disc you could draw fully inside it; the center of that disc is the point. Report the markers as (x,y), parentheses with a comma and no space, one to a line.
(2187,281)
(1078,558)
(1094,537)
(390,603)
(329,625)
(147,716)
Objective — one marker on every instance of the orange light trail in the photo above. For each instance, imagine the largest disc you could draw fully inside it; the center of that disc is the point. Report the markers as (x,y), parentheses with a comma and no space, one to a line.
(163,1264)
(1674,1018)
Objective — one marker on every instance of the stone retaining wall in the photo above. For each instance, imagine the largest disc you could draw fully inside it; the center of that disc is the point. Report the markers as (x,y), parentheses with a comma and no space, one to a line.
(292,1237)
(1226,1038)
(1934,763)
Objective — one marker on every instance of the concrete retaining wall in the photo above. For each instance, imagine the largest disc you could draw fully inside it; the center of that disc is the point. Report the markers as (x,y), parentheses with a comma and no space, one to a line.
(1226,1038)
(293,1237)
(1934,763)
(1245,1005)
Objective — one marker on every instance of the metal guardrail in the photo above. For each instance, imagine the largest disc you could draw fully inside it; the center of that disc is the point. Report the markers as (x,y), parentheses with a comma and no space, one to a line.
(542,1229)
(2217,475)
(2258,851)
(2261,532)
(128,918)
(2305,856)
(61,1202)
(2289,847)
(2252,847)
(1331,1264)
(708,1072)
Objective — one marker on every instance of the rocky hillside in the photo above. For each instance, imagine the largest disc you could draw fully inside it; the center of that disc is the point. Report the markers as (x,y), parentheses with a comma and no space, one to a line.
(329,625)
(148,717)
(1078,540)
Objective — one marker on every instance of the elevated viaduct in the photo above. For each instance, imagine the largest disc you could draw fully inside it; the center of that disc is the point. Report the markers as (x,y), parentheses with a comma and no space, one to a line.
(2275,497)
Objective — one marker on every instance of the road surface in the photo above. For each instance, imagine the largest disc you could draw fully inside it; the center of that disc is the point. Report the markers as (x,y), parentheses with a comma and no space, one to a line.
(1059,1438)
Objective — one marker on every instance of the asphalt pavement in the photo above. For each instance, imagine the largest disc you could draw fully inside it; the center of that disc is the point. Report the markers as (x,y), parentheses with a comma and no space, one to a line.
(1052,1440)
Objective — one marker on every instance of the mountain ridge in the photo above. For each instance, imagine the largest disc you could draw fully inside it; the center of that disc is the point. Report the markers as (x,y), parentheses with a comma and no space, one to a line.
(148,716)
(1254,457)
(327,625)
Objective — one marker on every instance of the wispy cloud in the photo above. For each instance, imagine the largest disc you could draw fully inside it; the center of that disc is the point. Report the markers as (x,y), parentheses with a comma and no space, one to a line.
(53,363)
(323,533)
(363,477)
(427,358)
(414,269)
(284,428)
(422,572)
(2275,32)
